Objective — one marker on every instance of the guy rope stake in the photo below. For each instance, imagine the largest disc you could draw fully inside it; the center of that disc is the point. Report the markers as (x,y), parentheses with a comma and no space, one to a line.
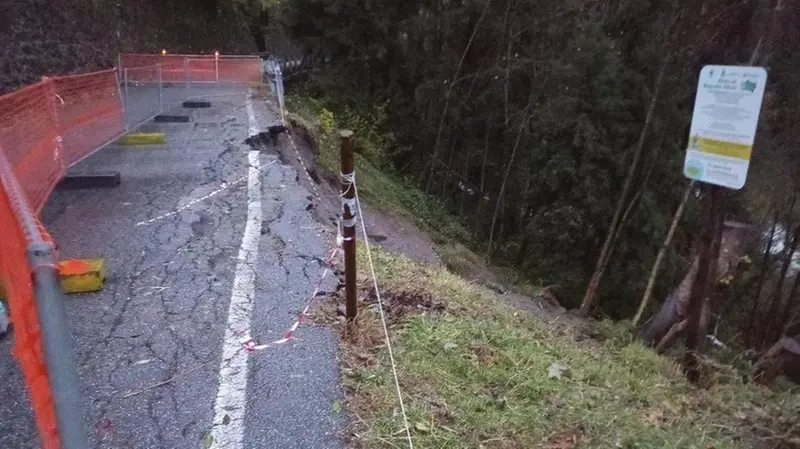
(349,217)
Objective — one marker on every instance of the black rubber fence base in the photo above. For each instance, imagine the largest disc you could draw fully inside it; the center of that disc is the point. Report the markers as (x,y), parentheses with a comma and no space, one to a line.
(196,104)
(90,180)
(171,119)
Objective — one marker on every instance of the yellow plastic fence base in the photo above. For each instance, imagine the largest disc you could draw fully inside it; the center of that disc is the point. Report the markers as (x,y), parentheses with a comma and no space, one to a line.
(142,139)
(82,275)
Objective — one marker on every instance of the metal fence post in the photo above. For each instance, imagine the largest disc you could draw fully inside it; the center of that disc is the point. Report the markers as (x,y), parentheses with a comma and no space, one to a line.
(53,99)
(216,65)
(125,98)
(160,90)
(53,323)
(186,74)
(349,217)
(58,348)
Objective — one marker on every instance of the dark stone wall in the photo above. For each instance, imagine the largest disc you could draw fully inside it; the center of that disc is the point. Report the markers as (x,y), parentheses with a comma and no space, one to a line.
(57,37)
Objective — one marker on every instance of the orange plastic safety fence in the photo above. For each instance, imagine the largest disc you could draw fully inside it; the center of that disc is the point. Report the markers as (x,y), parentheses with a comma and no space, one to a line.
(89,112)
(143,74)
(202,70)
(199,68)
(28,135)
(44,128)
(17,281)
(240,70)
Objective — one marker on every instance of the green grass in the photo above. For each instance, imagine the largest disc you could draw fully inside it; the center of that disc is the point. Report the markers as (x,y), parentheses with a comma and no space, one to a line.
(476,375)
(376,181)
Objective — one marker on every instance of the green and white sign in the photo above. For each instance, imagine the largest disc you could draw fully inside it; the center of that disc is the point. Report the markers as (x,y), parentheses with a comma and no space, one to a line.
(724,124)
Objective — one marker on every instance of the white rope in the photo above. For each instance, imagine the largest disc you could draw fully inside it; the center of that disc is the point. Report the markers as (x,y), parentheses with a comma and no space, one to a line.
(352,178)
(349,179)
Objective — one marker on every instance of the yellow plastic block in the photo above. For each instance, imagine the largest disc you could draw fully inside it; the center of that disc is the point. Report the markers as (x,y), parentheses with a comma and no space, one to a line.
(142,139)
(82,275)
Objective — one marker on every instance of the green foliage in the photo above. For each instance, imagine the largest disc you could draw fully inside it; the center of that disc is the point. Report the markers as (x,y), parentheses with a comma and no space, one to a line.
(444,93)
(377,180)
(571,99)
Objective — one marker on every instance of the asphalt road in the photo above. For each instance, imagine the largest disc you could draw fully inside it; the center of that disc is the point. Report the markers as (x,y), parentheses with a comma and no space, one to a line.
(162,315)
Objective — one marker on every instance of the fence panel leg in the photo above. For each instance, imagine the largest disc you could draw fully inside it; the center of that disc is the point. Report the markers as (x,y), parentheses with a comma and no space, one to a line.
(160,90)
(186,76)
(125,98)
(58,350)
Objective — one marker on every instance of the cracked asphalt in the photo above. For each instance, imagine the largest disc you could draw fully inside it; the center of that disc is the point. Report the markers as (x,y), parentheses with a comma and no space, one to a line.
(162,314)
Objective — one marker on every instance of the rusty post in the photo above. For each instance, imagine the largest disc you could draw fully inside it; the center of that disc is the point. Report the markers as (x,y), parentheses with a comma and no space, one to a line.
(349,217)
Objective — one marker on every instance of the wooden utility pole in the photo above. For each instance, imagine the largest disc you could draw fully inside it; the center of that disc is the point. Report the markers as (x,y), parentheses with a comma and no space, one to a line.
(349,216)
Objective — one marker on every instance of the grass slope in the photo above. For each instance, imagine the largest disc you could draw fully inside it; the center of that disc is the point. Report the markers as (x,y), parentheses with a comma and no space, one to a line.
(476,372)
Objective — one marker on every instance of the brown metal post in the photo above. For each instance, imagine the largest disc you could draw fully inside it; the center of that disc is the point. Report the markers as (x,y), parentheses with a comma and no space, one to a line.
(349,217)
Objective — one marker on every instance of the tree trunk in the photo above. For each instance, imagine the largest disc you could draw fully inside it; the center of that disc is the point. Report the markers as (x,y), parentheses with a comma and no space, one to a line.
(787,309)
(602,262)
(705,275)
(768,333)
(782,358)
(789,215)
(762,277)
(708,305)
(503,189)
(464,187)
(449,168)
(651,281)
(671,311)
(482,190)
(448,94)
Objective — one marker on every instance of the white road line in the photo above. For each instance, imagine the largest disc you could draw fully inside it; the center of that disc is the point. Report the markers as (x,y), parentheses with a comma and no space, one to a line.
(229,408)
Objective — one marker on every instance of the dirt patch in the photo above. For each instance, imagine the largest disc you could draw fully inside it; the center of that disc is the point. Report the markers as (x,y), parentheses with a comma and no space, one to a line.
(399,234)
(398,302)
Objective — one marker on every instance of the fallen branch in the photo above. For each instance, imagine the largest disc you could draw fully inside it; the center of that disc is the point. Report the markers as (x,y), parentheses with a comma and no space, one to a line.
(164,382)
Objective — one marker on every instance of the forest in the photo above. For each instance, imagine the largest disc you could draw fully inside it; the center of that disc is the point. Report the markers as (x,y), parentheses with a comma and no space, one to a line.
(555,133)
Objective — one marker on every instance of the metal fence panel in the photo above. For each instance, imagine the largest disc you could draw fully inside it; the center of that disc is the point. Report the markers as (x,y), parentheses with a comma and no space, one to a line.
(45,128)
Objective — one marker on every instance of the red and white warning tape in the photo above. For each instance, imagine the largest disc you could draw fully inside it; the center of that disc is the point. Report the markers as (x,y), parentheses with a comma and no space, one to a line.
(250,344)
(224,186)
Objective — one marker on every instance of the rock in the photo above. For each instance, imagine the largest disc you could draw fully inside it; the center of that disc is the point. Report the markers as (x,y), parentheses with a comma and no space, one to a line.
(496,287)
(558,370)
(549,297)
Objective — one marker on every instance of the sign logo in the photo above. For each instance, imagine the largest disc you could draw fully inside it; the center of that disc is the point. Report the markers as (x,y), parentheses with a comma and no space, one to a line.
(693,169)
(749,86)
